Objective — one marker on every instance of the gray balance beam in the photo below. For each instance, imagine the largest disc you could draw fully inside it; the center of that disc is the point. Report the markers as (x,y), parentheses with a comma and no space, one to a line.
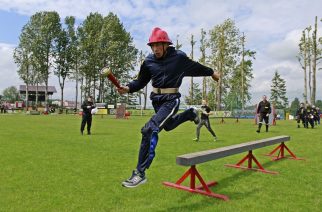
(208,155)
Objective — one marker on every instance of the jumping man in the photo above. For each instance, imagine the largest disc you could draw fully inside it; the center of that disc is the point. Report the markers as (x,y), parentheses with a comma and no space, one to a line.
(166,67)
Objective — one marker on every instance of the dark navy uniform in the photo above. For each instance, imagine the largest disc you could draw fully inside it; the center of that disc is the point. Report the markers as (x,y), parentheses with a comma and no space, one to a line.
(315,114)
(310,116)
(205,121)
(318,114)
(263,109)
(87,107)
(165,73)
(301,115)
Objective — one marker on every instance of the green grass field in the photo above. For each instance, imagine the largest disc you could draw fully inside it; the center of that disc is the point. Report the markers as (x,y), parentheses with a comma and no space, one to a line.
(46,165)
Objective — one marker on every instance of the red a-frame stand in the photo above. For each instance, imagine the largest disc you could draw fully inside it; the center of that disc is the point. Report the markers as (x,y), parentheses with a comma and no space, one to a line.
(281,154)
(250,158)
(202,189)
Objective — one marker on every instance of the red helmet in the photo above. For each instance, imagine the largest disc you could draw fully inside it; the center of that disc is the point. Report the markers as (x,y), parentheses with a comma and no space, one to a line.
(158,35)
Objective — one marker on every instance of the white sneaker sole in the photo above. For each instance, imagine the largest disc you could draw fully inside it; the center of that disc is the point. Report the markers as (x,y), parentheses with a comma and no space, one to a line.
(128,185)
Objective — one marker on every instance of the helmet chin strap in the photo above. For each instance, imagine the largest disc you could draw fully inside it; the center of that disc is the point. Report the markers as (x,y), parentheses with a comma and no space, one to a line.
(164,51)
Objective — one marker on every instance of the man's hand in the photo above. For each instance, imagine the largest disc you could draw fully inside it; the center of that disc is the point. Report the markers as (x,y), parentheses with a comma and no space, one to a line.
(123,89)
(215,76)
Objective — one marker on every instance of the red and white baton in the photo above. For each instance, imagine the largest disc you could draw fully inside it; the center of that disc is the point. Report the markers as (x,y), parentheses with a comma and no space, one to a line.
(107,72)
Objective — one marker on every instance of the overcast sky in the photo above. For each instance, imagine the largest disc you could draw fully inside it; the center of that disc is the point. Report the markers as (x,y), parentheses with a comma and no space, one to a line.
(272,29)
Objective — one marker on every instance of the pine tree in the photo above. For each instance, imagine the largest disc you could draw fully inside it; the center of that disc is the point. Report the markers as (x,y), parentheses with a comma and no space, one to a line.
(278,92)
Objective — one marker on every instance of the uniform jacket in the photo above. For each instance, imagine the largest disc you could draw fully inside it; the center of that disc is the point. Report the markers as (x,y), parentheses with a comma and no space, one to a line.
(301,112)
(168,71)
(264,107)
(87,110)
(309,111)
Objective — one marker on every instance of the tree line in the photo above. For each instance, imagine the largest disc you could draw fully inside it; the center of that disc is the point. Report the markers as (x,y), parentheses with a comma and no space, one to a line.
(227,54)
(47,46)
(310,55)
(78,52)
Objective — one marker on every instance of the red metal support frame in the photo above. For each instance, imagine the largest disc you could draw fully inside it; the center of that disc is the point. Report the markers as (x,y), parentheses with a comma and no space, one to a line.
(203,189)
(250,157)
(281,154)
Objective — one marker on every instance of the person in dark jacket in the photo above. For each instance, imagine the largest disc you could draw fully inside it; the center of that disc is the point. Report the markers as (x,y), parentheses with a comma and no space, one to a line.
(204,120)
(318,114)
(310,116)
(301,115)
(87,107)
(315,114)
(166,67)
(263,111)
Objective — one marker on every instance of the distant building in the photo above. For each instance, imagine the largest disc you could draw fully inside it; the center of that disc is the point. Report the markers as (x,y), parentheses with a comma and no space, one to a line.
(67,104)
(32,92)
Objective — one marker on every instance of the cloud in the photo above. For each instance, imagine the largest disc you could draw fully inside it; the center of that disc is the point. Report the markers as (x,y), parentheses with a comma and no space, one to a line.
(8,69)
(286,49)
(272,28)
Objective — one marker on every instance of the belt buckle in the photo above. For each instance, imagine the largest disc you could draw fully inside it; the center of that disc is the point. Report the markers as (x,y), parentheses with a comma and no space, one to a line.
(159,90)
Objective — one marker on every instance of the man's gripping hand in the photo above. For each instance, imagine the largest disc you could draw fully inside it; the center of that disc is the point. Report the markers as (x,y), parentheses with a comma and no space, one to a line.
(123,89)
(215,76)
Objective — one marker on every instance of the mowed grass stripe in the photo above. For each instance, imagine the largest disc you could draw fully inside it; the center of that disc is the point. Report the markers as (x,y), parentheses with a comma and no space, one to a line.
(46,165)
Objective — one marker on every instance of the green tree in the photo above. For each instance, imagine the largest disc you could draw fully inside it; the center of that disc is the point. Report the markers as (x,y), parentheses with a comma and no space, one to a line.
(317,56)
(246,68)
(73,52)
(224,43)
(278,92)
(211,93)
(294,106)
(202,60)
(90,48)
(62,60)
(196,100)
(145,92)
(303,60)
(191,91)
(11,94)
(318,104)
(22,57)
(43,29)
(239,82)
(310,53)
(118,51)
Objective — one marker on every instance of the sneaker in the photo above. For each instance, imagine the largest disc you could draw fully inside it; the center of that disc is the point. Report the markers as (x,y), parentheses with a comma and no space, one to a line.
(135,180)
(215,138)
(257,131)
(82,133)
(196,120)
(88,133)
(196,139)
